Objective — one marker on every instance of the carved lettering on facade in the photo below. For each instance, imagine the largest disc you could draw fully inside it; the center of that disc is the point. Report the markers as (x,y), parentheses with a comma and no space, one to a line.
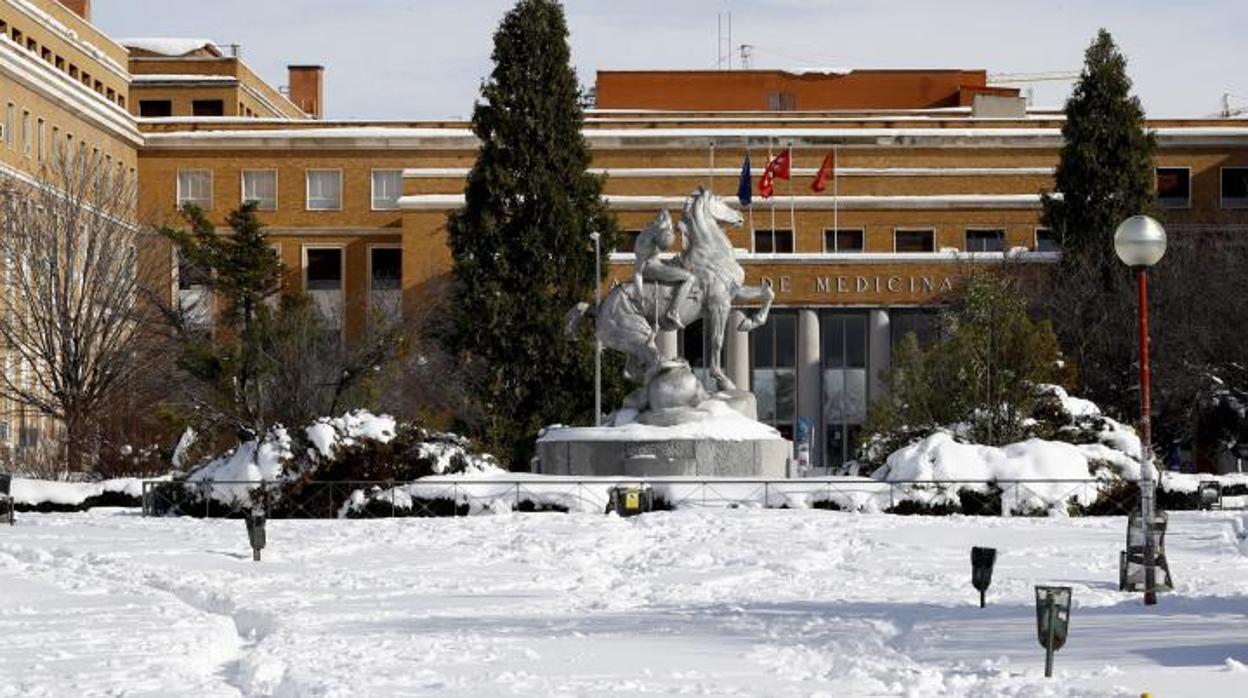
(839,285)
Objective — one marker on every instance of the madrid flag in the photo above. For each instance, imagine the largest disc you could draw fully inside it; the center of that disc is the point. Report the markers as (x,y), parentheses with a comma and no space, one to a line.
(826,171)
(777,168)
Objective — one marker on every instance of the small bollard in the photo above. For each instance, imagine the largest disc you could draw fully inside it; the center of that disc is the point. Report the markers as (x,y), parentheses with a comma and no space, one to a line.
(6,500)
(982,562)
(1052,621)
(255,532)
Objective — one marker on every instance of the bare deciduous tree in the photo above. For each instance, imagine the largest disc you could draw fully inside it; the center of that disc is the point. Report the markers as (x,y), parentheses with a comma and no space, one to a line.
(72,312)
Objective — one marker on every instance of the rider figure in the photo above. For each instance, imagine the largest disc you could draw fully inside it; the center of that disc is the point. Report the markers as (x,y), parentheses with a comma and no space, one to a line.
(658,237)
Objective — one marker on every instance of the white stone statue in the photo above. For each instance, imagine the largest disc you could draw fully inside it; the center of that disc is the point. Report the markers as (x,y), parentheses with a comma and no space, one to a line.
(701,282)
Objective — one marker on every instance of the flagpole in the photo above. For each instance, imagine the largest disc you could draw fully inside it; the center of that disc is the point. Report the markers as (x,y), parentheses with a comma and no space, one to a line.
(836,223)
(711,175)
(750,207)
(792,199)
(773,200)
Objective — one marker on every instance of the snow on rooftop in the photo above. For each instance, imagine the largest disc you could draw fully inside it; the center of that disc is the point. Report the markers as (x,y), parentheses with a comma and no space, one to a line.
(170,46)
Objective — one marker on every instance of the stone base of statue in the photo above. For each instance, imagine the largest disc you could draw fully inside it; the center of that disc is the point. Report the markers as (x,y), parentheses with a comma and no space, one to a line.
(671,427)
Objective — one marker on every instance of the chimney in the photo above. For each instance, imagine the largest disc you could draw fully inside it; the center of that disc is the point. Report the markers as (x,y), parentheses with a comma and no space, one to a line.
(307,88)
(82,8)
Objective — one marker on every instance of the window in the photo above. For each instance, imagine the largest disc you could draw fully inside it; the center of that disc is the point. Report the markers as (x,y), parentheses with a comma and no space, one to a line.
(1174,187)
(324,190)
(154,108)
(843,240)
(773,375)
(773,242)
(387,188)
(42,134)
(387,268)
(985,240)
(324,272)
(195,187)
(844,357)
(924,324)
(10,122)
(207,107)
(1046,241)
(386,280)
(626,241)
(781,101)
(914,241)
(260,186)
(1235,187)
(195,295)
(28,437)
(28,144)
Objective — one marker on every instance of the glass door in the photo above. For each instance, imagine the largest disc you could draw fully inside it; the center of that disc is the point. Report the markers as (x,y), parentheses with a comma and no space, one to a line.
(773,372)
(844,356)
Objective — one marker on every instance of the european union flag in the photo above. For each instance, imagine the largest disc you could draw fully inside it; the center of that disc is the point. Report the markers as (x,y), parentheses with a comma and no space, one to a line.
(745,189)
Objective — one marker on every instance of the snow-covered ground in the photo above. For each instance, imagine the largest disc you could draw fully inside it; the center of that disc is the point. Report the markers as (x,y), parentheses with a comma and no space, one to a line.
(707,602)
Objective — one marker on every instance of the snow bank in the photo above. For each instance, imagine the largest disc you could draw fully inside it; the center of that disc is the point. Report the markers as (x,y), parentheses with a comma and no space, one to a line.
(54,494)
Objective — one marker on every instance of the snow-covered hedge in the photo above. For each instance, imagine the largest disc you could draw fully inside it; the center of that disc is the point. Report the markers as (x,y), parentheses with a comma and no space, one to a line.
(288,466)
(58,496)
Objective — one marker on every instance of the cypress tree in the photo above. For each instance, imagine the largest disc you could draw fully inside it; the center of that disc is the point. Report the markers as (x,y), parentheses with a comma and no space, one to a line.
(1104,175)
(1105,172)
(520,244)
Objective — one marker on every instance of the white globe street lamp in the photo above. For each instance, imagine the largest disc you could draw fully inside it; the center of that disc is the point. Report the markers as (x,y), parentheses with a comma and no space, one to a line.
(1140,242)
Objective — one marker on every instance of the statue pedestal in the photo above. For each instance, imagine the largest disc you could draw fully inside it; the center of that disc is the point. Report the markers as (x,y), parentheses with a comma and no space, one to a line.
(718,442)
(597,456)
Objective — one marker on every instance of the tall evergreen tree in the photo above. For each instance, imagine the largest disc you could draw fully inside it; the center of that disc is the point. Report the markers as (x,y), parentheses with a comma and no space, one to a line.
(521,246)
(1105,172)
(1104,175)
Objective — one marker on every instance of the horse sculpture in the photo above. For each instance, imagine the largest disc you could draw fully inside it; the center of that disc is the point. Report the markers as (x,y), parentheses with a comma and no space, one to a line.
(629,318)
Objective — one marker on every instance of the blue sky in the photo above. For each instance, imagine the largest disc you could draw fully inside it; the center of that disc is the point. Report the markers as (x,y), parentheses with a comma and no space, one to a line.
(418,59)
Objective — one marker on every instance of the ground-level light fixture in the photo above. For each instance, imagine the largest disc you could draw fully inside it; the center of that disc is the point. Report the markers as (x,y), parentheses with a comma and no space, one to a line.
(1052,621)
(1209,494)
(1140,242)
(631,500)
(255,531)
(982,561)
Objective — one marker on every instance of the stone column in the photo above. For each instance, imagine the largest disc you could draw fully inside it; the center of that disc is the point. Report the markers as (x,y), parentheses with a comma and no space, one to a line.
(810,380)
(668,346)
(880,351)
(737,351)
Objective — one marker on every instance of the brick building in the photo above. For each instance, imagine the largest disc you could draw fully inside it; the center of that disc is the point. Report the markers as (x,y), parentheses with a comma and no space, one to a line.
(937,173)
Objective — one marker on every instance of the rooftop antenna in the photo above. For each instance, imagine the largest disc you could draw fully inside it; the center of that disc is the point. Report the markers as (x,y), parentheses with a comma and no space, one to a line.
(747,56)
(723,46)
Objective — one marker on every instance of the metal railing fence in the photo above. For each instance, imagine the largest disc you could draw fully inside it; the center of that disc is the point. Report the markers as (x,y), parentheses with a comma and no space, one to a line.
(440,497)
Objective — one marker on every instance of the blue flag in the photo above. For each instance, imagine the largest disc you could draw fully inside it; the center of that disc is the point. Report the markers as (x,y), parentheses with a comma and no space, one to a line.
(745,189)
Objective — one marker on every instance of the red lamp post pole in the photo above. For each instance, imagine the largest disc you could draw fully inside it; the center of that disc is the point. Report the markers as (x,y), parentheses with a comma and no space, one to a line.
(1147,485)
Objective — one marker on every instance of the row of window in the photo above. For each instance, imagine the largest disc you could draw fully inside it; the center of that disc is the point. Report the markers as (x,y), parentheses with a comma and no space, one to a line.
(323,189)
(31,136)
(851,240)
(69,68)
(1174,187)
(323,269)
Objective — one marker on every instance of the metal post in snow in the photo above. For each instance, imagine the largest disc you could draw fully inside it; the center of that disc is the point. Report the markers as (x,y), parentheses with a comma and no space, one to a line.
(1147,485)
